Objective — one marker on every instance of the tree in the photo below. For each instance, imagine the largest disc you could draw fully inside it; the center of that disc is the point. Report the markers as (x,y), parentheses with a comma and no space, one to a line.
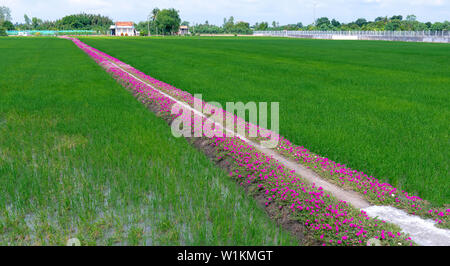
(446,25)
(228,24)
(290,27)
(3,32)
(261,26)
(438,26)
(5,20)
(153,14)
(7,25)
(393,25)
(80,22)
(383,19)
(411,23)
(241,28)
(168,20)
(5,14)
(323,23)
(335,23)
(35,22)
(206,29)
(350,26)
(361,22)
(411,18)
(399,17)
(27,21)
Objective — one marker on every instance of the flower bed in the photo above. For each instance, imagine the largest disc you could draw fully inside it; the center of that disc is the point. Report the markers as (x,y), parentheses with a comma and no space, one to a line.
(332,222)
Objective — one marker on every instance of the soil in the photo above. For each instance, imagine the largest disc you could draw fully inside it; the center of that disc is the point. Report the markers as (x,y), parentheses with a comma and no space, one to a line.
(280,216)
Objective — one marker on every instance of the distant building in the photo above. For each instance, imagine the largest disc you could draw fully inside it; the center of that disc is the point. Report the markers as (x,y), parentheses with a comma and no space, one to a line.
(123,29)
(183,30)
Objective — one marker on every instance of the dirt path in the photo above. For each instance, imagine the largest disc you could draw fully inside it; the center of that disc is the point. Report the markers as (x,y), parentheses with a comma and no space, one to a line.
(312,177)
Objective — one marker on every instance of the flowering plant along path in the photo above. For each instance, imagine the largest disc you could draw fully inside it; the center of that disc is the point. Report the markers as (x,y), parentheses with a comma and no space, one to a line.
(337,205)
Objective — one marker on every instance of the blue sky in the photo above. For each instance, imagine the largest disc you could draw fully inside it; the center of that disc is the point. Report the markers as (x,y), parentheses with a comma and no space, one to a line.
(198,11)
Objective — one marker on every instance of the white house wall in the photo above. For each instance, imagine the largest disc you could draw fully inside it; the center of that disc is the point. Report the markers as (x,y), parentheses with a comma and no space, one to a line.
(125,31)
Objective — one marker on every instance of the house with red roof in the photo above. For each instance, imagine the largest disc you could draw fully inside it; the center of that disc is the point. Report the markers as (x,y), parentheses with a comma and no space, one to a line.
(123,28)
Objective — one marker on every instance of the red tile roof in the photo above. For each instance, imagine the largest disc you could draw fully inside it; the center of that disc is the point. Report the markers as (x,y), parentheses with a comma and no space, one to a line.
(124,24)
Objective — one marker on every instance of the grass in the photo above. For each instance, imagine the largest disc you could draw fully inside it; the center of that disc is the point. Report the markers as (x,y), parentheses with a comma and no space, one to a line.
(275,190)
(379,107)
(80,157)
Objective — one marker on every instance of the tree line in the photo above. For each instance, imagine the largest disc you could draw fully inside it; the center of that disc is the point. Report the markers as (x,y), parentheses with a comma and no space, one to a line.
(394,23)
(160,22)
(167,22)
(71,22)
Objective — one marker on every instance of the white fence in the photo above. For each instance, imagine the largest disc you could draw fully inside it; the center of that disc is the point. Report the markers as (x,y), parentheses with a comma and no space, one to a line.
(357,33)
(418,36)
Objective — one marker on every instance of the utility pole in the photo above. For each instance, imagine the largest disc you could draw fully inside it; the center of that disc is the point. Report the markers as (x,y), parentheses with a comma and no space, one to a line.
(148,25)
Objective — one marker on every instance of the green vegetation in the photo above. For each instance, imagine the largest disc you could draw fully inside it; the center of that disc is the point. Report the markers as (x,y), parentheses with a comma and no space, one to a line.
(379,107)
(394,23)
(229,26)
(160,22)
(71,22)
(80,157)
(168,21)
(5,14)
(84,22)
(5,20)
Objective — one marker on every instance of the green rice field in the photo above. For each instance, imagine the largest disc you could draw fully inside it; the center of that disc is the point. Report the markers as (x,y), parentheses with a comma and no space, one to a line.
(80,157)
(378,107)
